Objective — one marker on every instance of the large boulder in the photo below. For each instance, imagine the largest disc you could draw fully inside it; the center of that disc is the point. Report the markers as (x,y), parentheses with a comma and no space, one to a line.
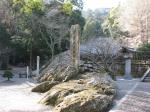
(91,93)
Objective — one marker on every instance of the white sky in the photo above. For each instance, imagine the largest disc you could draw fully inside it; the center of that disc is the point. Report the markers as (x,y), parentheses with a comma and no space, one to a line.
(94,4)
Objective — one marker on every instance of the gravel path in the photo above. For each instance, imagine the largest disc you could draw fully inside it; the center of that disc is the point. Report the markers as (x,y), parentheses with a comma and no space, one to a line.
(133,96)
(15,96)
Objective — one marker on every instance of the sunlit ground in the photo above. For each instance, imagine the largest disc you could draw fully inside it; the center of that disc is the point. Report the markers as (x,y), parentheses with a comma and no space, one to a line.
(133,96)
(15,96)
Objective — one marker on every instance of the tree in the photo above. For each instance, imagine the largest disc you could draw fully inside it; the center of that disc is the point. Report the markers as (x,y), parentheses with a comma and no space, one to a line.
(77,18)
(29,12)
(38,28)
(135,18)
(111,26)
(67,8)
(103,54)
(93,24)
(77,3)
(4,35)
(8,74)
(89,29)
(144,49)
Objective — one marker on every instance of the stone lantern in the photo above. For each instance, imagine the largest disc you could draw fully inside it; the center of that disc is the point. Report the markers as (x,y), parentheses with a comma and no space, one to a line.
(127,55)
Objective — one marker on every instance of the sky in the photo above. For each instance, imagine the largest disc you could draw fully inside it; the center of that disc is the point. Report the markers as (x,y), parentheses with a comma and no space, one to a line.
(94,4)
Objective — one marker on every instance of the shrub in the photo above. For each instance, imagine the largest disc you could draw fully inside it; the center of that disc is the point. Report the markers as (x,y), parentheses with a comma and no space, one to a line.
(8,74)
(144,49)
(67,8)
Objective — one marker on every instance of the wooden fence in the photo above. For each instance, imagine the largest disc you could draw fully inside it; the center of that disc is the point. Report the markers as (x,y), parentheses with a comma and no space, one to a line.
(140,63)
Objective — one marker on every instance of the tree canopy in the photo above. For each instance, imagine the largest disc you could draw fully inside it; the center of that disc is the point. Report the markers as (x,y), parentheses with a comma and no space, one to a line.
(36,28)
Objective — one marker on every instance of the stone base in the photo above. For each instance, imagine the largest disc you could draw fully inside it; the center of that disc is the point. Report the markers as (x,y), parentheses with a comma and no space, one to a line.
(128,77)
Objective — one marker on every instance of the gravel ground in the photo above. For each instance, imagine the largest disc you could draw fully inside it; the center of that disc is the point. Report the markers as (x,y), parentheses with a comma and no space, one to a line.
(15,96)
(133,96)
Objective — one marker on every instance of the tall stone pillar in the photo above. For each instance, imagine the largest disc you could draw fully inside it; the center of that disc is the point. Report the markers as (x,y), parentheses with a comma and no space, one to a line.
(75,45)
(28,72)
(38,66)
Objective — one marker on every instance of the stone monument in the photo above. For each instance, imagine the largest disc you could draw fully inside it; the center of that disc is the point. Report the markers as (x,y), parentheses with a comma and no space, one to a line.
(75,45)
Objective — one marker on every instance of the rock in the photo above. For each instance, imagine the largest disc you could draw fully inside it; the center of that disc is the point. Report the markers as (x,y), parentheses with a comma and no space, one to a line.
(44,87)
(90,92)
(61,60)
(46,77)
(60,73)
(85,101)
(58,92)
(104,82)
(65,73)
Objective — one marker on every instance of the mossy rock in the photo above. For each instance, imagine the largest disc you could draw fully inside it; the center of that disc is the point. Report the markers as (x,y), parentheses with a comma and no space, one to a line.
(44,87)
(56,94)
(85,101)
(91,93)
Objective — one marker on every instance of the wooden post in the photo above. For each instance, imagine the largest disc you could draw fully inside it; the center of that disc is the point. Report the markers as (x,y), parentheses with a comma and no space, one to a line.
(75,45)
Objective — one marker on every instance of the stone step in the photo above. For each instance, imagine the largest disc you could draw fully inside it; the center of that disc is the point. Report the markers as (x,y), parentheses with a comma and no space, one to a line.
(146,80)
(148,75)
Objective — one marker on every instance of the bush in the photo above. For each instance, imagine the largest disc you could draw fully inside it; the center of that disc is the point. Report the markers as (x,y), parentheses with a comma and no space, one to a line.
(8,74)
(144,49)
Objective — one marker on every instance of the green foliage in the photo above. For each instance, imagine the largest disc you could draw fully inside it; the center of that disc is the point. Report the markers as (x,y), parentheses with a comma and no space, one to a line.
(89,29)
(77,3)
(111,25)
(144,49)
(93,26)
(4,36)
(29,6)
(77,18)
(27,40)
(92,29)
(8,74)
(33,34)
(67,8)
